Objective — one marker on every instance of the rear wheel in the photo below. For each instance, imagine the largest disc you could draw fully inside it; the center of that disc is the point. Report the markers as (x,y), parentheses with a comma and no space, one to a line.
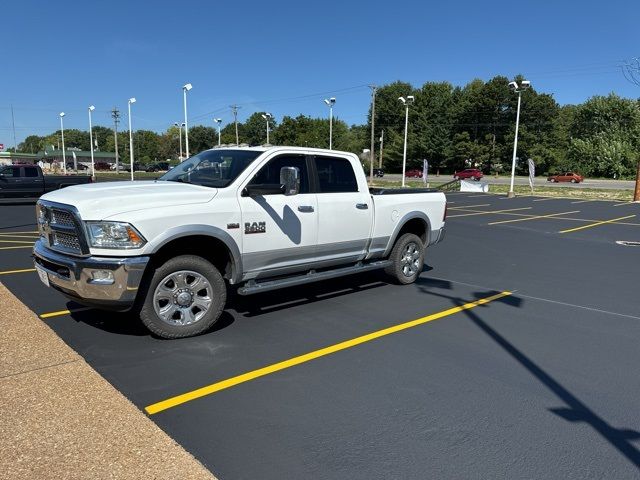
(185,297)
(407,257)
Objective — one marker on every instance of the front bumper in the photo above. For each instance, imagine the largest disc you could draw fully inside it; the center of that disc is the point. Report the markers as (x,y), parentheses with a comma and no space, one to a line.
(73,277)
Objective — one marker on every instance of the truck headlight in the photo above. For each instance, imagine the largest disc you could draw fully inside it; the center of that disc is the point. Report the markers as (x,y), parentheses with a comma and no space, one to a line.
(113,235)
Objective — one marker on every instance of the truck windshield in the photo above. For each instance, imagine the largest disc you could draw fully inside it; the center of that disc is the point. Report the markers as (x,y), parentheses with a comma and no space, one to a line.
(212,168)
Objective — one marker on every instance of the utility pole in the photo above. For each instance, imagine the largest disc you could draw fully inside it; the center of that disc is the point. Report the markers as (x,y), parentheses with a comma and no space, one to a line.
(373,127)
(631,71)
(234,109)
(381,147)
(115,114)
(13,122)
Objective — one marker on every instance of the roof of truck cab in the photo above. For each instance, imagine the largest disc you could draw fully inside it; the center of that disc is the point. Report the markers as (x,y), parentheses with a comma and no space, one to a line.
(266,148)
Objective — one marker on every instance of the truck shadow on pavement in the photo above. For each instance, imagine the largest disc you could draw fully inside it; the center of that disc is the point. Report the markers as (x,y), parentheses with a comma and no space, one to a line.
(267,302)
(126,323)
(574,410)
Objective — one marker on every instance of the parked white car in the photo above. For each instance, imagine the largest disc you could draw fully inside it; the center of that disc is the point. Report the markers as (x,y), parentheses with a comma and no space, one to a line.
(259,218)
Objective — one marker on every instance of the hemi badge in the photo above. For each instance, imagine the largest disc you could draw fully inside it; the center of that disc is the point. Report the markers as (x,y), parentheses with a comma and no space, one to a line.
(233,225)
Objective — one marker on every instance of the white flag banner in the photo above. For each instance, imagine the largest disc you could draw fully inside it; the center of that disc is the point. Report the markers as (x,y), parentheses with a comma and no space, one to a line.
(425,171)
(532,172)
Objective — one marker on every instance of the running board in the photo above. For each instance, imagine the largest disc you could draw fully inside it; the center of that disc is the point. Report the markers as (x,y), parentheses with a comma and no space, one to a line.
(252,286)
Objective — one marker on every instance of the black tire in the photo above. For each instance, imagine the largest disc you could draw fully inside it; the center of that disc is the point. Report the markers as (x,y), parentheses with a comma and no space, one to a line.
(185,315)
(401,270)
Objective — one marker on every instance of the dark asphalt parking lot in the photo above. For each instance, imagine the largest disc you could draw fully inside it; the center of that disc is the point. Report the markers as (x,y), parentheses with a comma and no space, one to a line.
(541,383)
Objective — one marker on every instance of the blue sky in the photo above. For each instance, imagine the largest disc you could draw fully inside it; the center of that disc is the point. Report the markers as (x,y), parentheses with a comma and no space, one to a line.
(284,57)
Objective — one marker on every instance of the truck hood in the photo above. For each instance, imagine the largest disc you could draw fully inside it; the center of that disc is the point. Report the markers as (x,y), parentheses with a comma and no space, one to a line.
(98,201)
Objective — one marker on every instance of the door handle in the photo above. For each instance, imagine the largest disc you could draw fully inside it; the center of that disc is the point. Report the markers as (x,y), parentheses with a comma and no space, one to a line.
(362,206)
(305,208)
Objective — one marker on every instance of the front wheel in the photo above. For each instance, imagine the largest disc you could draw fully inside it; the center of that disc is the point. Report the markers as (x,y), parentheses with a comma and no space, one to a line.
(407,257)
(573,180)
(185,297)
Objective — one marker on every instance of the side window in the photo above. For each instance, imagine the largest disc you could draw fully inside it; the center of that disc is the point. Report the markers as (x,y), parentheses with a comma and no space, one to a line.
(335,175)
(270,173)
(10,172)
(30,172)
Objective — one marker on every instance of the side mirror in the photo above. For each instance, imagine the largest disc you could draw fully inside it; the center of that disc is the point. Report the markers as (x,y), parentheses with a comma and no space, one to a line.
(290,178)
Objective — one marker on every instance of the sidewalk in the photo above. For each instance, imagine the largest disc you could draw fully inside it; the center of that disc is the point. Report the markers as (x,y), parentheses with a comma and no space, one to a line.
(59,419)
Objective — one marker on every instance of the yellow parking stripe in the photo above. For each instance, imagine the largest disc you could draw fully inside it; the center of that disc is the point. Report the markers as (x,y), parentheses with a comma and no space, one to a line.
(245,377)
(535,217)
(24,270)
(488,213)
(13,233)
(11,248)
(16,241)
(61,313)
(613,220)
(30,237)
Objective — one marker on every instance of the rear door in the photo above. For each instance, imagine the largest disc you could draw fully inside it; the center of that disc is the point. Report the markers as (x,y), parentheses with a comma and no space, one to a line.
(345,211)
(32,183)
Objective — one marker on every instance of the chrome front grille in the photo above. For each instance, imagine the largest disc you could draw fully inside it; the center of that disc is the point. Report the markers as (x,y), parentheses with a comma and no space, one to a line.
(61,217)
(67,241)
(61,227)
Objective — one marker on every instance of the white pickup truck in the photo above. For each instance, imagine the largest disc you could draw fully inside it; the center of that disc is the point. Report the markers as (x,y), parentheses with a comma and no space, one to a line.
(260,218)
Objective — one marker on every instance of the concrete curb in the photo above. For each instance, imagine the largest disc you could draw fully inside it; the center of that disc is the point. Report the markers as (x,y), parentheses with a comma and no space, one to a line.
(60,419)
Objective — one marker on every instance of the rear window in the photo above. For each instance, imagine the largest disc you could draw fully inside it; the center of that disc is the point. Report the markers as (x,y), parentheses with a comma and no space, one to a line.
(30,172)
(335,175)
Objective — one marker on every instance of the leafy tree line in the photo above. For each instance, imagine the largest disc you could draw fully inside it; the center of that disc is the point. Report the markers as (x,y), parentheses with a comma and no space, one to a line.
(453,127)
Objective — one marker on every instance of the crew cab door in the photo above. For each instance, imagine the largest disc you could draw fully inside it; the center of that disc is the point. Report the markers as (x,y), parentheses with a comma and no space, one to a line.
(33,182)
(11,183)
(279,232)
(345,211)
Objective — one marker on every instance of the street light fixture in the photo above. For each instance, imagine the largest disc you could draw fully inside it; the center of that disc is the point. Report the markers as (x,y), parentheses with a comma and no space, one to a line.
(267,116)
(180,137)
(93,165)
(330,102)
(64,155)
(518,88)
(406,102)
(218,121)
(185,89)
(131,100)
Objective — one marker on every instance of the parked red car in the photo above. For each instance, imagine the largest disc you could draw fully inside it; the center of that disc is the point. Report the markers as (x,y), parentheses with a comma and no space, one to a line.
(468,173)
(415,173)
(566,177)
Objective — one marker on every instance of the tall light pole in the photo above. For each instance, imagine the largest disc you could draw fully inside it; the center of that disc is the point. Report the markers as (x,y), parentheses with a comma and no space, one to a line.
(381,147)
(131,100)
(234,110)
(93,165)
(115,113)
(523,85)
(64,155)
(373,128)
(330,102)
(267,116)
(185,89)
(180,137)
(218,121)
(406,102)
